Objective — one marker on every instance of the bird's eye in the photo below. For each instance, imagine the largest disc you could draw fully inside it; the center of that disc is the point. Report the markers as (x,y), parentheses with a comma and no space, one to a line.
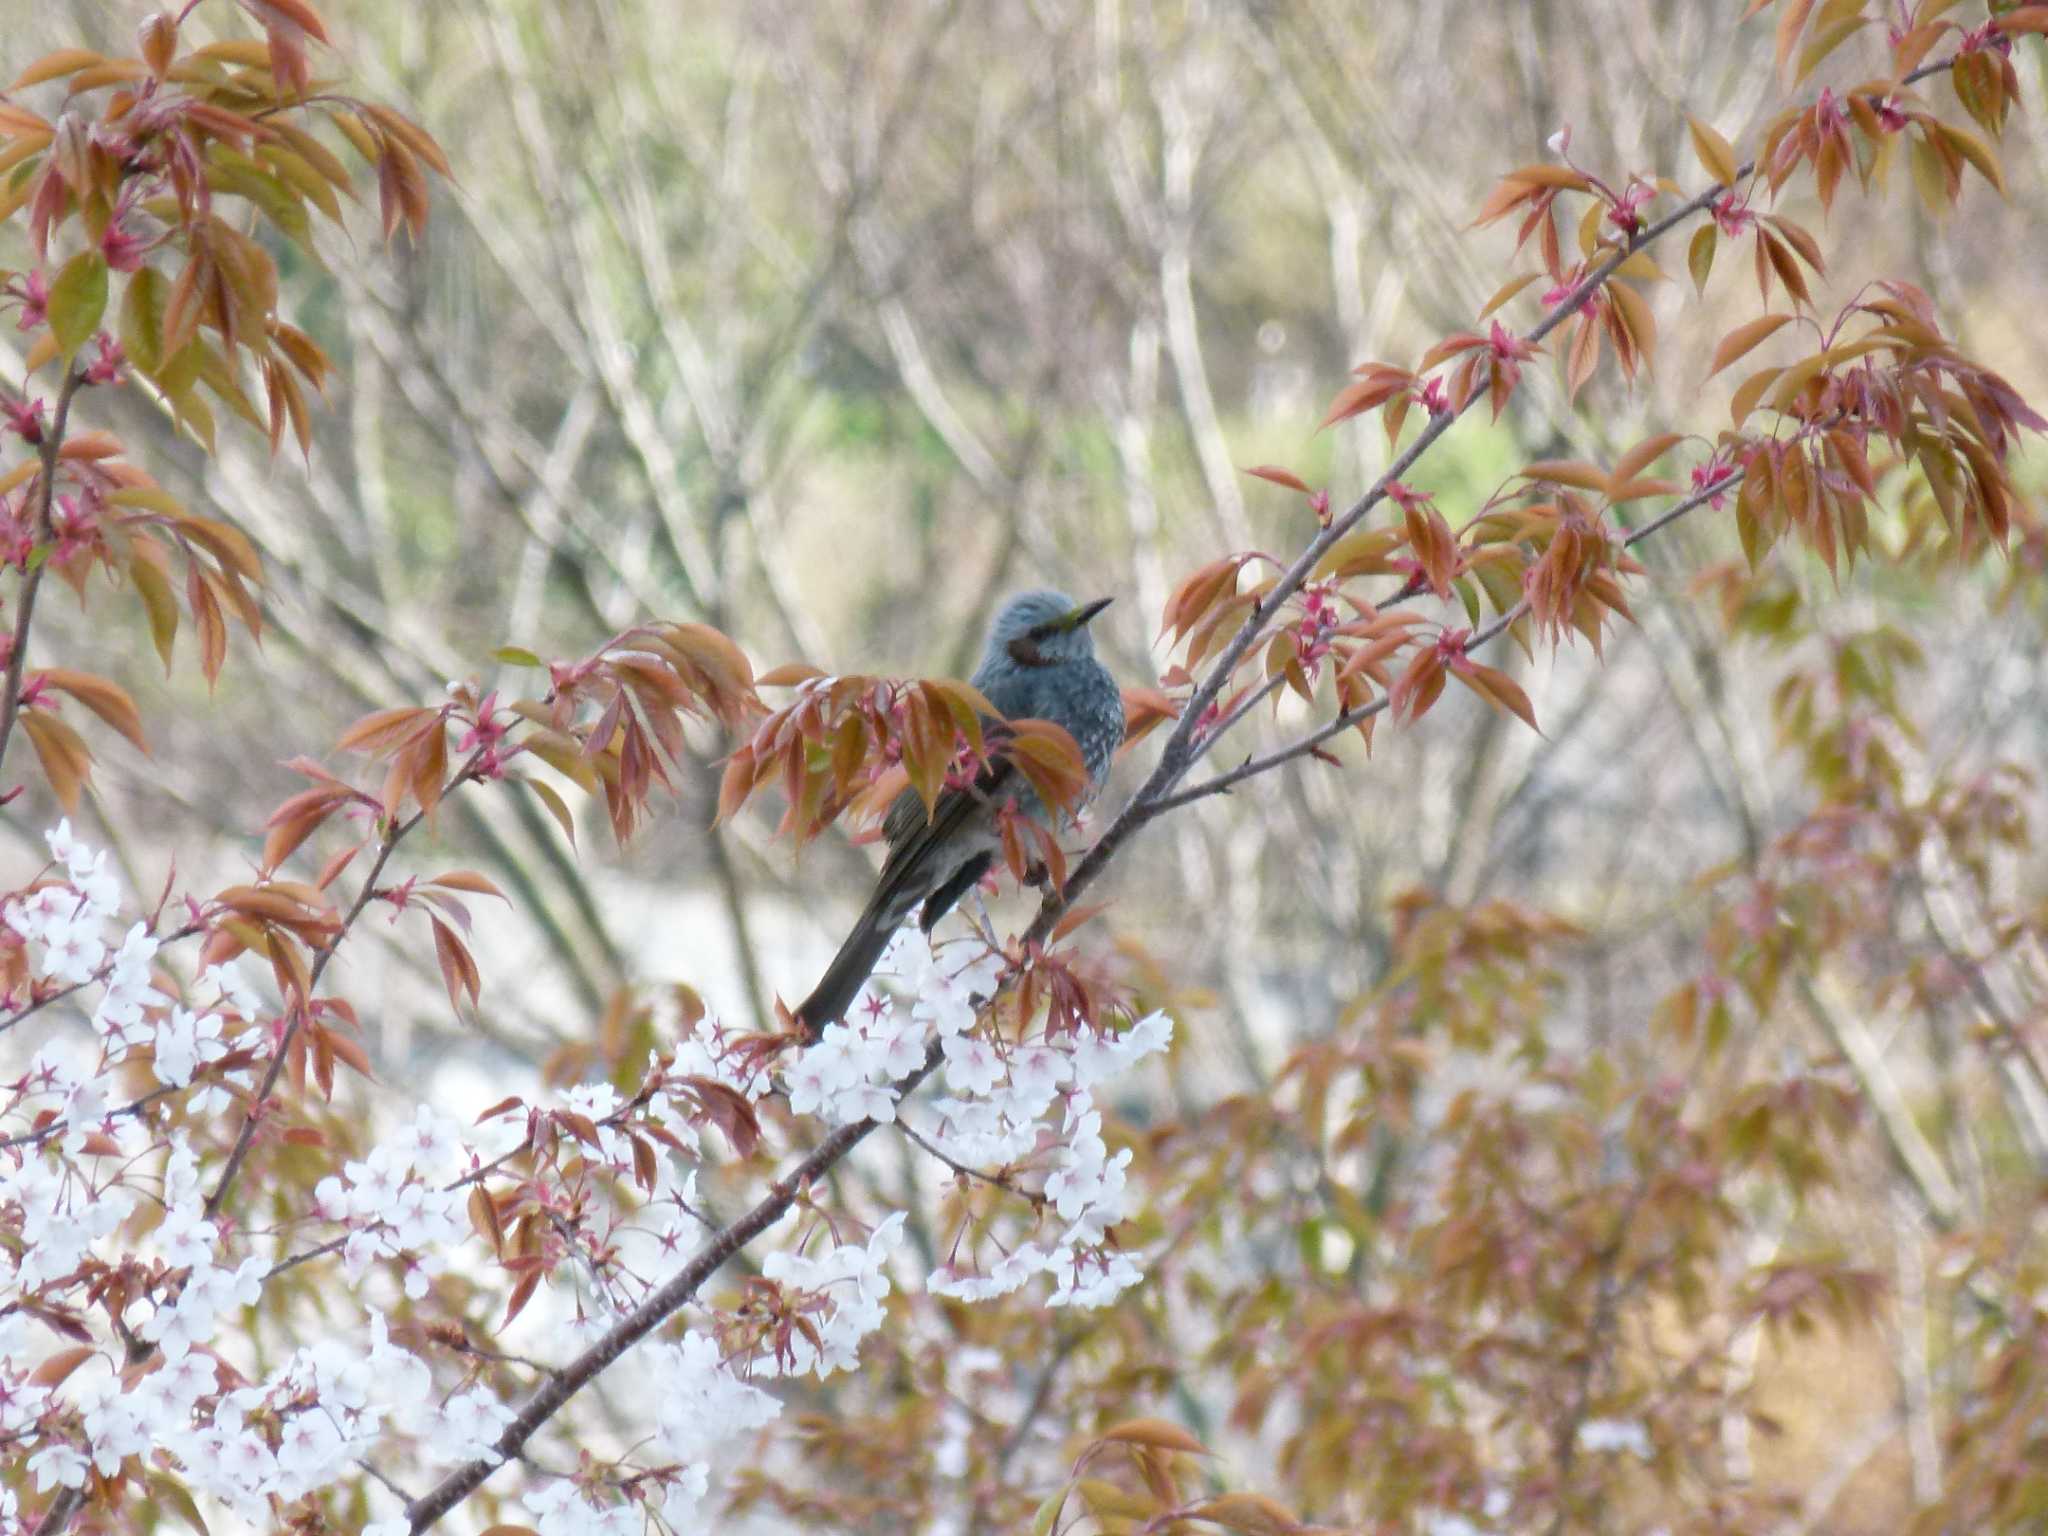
(1040,632)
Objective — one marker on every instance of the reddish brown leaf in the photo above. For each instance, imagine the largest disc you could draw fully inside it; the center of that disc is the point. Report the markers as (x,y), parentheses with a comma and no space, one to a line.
(1744,338)
(52,1371)
(385,730)
(106,699)
(1279,476)
(483,1218)
(458,970)
(66,760)
(1498,689)
(522,1293)
(469,880)
(1159,1434)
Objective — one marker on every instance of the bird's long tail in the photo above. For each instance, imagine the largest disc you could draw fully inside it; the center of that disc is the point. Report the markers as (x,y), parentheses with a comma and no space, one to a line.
(851,967)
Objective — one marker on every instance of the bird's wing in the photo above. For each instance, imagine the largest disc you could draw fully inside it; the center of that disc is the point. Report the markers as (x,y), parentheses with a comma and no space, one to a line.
(911,833)
(906,816)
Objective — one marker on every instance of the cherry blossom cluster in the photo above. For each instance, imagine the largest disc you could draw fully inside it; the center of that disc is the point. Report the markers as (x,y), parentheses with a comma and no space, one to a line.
(243,1443)
(62,922)
(849,1073)
(401,1202)
(1010,1101)
(850,1284)
(164,1379)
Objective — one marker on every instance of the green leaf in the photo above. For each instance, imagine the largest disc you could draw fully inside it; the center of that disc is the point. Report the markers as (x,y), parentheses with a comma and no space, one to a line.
(1826,39)
(1048,1514)
(78,298)
(1929,178)
(1310,1237)
(1699,256)
(195,416)
(161,604)
(174,1496)
(556,807)
(1714,152)
(516,656)
(1469,596)
(180,370)
(142,321)
(233,172)
(218,375)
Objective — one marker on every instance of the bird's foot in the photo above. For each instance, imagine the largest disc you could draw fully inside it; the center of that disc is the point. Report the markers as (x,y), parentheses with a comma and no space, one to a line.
(979,920)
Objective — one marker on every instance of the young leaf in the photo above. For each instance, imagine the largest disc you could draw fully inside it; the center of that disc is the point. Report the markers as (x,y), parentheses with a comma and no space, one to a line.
(1157,1433)
(107,700)
(555,807)
(1508,290)
(1699,255)
(1742,339)
(54,66)
(1499,690)
(1643,455)
(1966,143)
(458,971)
(1574,472)
(1634,310)
(142,321)
(469,880)
(66,760)
(1715,152)
(78,297)
(1252,1513)
(148,569)
(1279,476)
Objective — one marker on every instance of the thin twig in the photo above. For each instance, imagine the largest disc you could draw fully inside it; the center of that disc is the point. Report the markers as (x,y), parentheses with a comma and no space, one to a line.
(46,538)
(43,1133)
(247,1134)
(999,1181)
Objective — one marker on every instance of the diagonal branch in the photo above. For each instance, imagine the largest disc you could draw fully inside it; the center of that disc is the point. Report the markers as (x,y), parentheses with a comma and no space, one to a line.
(1157,793)
(1342,722)
(552,1394)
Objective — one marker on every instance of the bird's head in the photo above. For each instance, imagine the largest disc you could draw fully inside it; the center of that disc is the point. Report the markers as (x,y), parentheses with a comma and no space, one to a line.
(1038,629)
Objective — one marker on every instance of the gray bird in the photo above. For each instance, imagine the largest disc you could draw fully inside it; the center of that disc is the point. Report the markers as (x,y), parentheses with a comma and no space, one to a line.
(1039,663)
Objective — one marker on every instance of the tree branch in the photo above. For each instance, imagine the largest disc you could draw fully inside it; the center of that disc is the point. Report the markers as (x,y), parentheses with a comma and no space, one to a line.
(1156,794)
(1338,724)
(550,1397)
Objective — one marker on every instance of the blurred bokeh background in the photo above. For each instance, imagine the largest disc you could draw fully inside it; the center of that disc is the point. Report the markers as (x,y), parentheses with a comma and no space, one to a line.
(831,324)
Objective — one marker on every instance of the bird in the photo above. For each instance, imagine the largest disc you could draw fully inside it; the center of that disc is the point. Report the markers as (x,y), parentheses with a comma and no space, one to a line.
(1038,662)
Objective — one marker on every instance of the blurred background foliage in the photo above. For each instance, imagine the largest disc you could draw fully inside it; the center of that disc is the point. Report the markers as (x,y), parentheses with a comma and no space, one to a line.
(829,325)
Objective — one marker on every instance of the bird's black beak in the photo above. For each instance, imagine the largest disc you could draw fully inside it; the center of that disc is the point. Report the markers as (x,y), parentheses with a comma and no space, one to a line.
(1085,612)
